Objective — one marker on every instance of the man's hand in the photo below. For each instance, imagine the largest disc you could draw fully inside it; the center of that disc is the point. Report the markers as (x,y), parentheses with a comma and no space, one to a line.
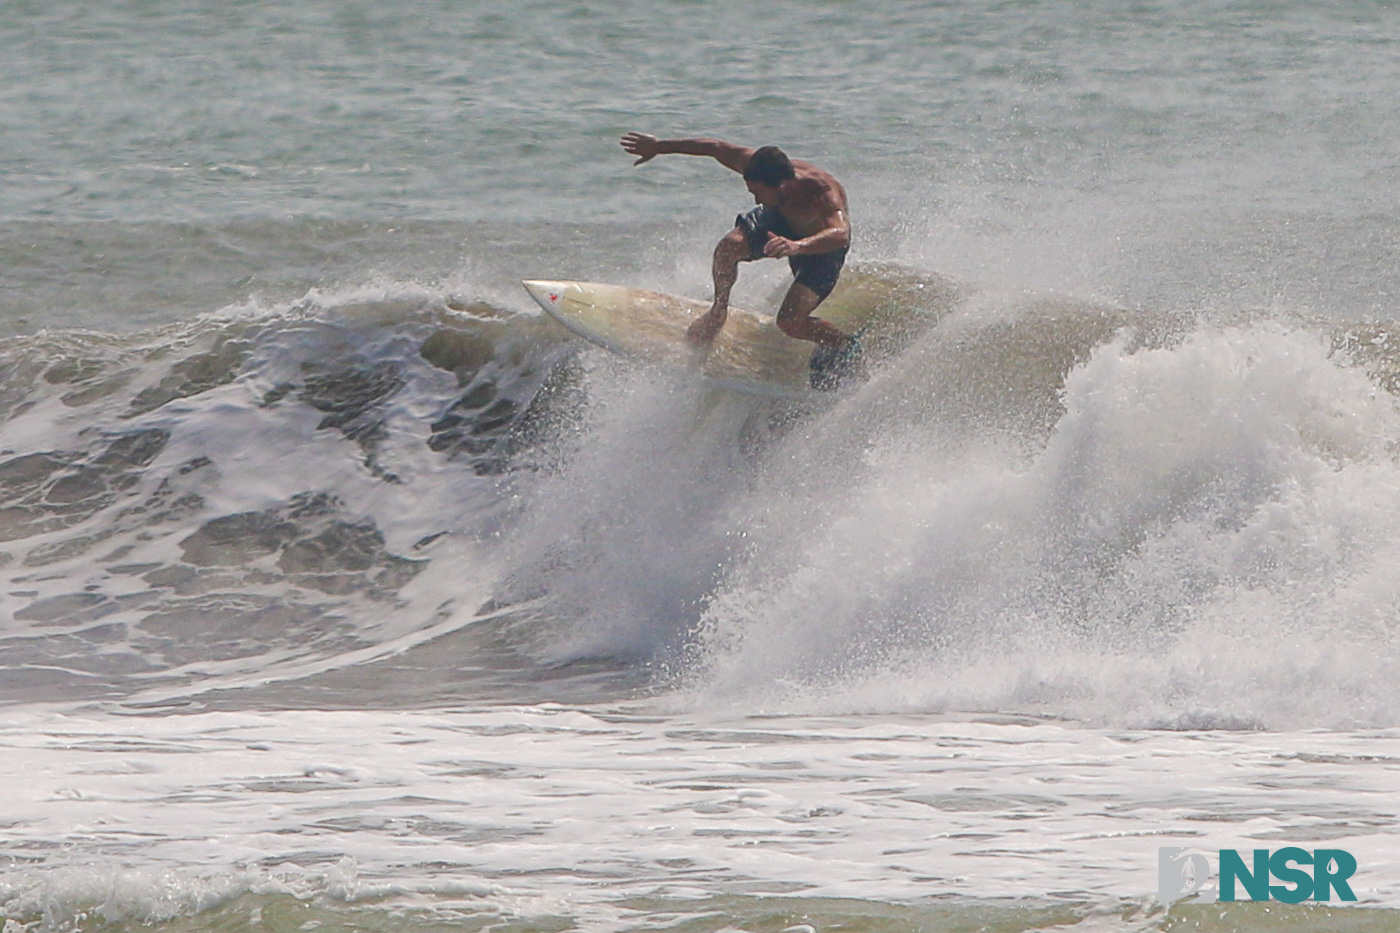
(779,246)
(640,144)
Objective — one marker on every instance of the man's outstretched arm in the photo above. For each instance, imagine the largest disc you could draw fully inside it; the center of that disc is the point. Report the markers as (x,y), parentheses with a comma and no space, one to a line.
(647,148)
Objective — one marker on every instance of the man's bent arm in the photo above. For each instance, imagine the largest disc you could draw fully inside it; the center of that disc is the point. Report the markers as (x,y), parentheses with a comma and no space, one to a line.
(835,235)
(727,154)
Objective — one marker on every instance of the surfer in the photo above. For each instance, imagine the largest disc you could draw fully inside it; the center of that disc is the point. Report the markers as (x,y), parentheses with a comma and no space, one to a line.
(802,216)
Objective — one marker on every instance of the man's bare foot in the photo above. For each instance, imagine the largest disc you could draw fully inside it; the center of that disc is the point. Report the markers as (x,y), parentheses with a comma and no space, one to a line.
(831,366)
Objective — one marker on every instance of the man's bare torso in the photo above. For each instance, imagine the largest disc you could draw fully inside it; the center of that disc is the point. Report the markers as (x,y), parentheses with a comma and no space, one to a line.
(810,199)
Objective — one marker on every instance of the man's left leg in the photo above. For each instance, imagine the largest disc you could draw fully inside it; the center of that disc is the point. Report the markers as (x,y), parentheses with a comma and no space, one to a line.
(795,319)
(837,355)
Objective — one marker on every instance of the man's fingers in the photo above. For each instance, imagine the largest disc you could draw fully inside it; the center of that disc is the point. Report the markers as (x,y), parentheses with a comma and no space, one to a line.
(637,144)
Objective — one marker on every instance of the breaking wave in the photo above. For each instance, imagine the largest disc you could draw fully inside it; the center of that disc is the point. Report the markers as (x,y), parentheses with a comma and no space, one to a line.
(398,496)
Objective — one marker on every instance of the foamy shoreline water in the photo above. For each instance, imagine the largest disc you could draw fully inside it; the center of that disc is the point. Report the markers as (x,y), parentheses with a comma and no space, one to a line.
(521,809)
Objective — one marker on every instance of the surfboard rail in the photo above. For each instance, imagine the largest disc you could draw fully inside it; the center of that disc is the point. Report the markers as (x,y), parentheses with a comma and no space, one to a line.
(750,354)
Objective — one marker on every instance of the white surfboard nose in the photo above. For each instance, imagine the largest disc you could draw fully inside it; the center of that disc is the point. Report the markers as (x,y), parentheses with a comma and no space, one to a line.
(545,292)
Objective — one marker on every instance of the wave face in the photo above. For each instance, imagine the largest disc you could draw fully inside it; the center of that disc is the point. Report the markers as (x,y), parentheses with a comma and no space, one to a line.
(394,497)
(255,495)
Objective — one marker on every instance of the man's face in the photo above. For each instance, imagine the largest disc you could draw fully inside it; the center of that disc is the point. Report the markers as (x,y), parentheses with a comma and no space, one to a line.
(762,194)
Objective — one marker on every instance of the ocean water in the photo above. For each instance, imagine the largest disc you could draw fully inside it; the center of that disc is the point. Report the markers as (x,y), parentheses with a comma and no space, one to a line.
(344,591)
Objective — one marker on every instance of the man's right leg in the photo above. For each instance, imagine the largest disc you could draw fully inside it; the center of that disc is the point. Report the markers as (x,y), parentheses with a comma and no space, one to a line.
(729,252)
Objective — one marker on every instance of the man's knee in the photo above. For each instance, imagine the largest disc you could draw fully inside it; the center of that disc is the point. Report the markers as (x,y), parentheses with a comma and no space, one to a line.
(733,246)
(795,322)
(795,315)
(793,325)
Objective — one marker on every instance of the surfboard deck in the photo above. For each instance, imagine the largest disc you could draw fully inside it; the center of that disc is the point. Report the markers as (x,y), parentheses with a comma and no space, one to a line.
(749,355)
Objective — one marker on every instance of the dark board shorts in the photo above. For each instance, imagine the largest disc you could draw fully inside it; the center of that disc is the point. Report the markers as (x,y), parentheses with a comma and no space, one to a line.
(817,271)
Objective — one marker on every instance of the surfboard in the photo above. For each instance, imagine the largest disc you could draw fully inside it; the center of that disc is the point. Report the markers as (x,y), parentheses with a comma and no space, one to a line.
(749,355)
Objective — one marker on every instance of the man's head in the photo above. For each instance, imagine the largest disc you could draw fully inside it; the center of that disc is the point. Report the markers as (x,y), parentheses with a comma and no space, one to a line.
(768,168)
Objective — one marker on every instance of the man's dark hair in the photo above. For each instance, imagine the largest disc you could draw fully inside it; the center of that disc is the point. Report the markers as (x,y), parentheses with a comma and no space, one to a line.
(769,166)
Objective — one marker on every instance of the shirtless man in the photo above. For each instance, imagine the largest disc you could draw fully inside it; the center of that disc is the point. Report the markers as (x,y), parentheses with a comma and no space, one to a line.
(801,215)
